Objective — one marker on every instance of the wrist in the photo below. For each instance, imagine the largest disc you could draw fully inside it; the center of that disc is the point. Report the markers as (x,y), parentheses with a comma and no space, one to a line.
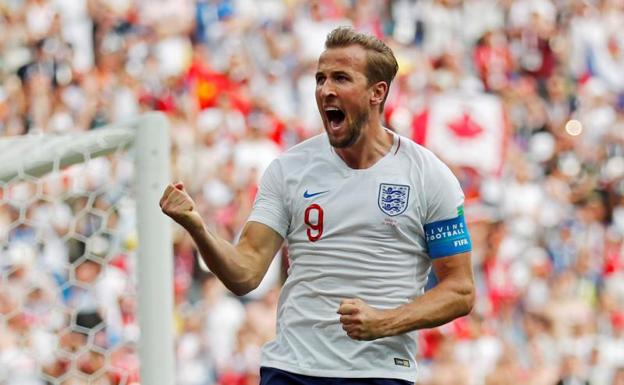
(193,223)
(389,322)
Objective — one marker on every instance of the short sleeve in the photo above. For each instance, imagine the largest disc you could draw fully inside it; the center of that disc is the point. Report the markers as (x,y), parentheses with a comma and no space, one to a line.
(445,227)
(443,192)
(270,204)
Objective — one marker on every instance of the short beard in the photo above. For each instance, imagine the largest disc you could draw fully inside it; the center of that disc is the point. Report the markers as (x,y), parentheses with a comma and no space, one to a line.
(354,132)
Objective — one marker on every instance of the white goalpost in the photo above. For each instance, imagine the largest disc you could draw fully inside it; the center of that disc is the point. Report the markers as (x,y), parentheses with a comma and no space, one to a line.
(27,160)
(155,253)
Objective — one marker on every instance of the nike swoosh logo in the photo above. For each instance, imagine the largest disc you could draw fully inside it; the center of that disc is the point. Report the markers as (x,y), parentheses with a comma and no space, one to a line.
(306,194)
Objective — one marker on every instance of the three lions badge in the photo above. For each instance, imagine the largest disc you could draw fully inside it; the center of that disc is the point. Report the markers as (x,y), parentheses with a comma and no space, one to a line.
(393,198)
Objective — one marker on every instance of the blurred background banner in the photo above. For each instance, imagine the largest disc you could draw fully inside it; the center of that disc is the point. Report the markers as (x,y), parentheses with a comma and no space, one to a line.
(465,130)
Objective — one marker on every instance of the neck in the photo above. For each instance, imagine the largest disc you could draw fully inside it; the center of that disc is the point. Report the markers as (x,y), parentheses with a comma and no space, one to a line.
(373,144)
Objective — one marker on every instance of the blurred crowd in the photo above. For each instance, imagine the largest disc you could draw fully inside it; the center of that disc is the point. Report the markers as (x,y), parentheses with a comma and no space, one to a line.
(236,79)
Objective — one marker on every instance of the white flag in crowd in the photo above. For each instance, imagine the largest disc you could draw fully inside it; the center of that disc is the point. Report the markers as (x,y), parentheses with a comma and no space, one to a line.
(465,130)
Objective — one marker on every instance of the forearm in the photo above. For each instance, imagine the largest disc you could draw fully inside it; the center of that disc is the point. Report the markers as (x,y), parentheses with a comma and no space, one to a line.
(239,267)
(442,304)
(238,272)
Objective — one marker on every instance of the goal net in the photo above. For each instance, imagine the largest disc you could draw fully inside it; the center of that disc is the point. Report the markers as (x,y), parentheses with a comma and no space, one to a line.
(85,257)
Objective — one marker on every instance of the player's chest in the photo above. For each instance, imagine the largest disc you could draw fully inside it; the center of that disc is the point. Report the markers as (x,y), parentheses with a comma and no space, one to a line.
(327,205)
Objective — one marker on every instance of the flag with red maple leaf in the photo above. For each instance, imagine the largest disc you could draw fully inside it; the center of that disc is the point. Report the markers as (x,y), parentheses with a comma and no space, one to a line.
(466,130)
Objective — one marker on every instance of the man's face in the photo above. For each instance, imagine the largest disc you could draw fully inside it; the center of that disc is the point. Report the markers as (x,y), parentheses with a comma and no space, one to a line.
(343,94)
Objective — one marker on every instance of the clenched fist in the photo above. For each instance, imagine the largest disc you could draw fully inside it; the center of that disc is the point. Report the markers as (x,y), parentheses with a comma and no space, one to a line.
(178,205)
(360,321)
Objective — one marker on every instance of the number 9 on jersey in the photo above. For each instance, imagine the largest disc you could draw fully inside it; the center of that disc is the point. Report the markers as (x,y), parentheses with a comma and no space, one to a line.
(313,218)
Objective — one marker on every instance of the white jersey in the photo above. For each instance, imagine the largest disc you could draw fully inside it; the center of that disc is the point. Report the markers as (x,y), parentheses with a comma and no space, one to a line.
(352,233)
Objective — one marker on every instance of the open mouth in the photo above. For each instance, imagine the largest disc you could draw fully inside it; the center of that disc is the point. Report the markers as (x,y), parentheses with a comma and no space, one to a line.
(335,116)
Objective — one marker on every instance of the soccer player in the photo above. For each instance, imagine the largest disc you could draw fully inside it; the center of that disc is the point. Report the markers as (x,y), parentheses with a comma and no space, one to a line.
(366,214)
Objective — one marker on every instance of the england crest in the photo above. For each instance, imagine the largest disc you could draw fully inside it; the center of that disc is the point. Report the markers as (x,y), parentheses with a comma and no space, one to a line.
(393,198)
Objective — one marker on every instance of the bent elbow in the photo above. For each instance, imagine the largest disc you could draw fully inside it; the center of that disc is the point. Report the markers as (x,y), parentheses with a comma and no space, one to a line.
(243,288)
(469,304)
(468,299)
(240,291)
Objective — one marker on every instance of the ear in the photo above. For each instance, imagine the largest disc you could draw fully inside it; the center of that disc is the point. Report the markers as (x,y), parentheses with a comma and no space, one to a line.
(378,93)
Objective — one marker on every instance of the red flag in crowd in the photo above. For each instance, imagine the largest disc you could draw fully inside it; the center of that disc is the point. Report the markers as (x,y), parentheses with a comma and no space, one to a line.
(207,84)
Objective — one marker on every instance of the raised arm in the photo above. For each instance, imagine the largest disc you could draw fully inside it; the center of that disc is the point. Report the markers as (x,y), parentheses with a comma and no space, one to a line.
(240,267)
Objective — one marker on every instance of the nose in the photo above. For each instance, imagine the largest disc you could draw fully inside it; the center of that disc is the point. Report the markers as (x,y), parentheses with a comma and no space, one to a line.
(327,89)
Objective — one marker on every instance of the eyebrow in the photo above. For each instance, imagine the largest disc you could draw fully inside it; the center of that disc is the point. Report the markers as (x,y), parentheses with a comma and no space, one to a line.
(333,73)
(341,73)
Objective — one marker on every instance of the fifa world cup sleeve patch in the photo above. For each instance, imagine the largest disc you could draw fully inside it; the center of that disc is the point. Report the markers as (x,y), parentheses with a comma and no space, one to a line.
(448,237)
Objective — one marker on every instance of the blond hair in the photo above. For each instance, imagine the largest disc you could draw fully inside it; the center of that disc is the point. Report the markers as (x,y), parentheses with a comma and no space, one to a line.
(381,65)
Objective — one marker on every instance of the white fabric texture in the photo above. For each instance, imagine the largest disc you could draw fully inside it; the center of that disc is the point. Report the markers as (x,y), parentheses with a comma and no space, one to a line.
(362,252)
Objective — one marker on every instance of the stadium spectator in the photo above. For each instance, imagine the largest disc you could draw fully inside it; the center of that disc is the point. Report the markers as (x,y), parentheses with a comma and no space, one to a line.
(72,65)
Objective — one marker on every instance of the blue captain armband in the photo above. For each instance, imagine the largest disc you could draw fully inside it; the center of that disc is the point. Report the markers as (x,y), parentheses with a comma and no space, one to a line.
(447,237)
